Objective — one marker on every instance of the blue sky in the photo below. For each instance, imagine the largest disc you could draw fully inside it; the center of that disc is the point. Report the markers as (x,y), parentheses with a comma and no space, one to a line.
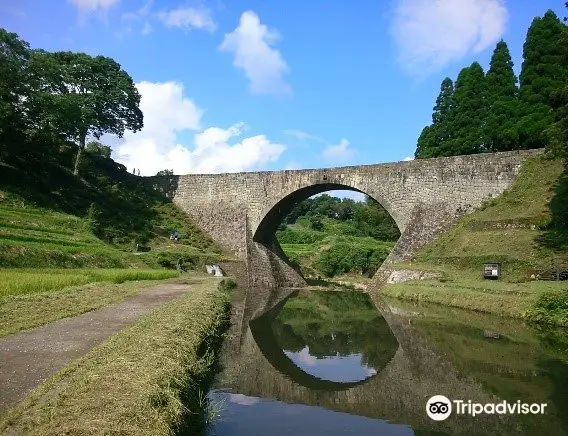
(247,85)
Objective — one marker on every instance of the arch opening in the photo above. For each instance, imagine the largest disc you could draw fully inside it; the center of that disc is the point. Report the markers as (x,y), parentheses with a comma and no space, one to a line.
(361,232)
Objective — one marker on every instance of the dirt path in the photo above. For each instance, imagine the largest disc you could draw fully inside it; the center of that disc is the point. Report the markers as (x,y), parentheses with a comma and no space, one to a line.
(28,358)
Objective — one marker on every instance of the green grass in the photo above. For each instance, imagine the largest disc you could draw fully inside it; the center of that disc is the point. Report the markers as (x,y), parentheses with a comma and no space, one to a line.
(32,237)
(511,229)
(148,379)
(480,237)
(25,311)
(52,218)
(31,281)
(506,299)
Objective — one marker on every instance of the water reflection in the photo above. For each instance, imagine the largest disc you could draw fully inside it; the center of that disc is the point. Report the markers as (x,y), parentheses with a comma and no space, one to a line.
(319,356)
(244,415)
(335,336)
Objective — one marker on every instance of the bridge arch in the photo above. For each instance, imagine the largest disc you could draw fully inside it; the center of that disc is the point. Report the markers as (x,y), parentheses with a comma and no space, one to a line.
(278,209)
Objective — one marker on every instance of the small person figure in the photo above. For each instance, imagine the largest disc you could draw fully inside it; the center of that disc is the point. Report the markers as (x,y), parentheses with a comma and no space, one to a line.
(138,171)
(133,170)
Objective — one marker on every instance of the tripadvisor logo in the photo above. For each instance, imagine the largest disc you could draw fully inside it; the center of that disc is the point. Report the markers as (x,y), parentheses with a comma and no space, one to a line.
(440,407)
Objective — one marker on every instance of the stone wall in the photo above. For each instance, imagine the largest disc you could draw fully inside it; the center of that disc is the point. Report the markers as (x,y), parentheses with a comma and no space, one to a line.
(425,197)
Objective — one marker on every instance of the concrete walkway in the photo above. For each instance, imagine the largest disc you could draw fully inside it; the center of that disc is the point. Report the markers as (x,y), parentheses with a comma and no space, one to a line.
(30,357)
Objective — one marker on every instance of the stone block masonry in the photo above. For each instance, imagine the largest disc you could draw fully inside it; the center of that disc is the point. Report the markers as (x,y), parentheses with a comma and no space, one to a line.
(242,211)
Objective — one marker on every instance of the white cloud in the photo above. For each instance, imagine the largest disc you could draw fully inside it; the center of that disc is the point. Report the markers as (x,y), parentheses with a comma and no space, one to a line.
(167,113)
(302,136)
(339,152)
(430,34)
(93,5)
(183,17)
(252,44)
(407,158)
(188,18)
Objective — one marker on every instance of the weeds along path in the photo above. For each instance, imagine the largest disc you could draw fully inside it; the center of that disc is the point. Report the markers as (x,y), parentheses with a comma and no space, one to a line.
(30,357)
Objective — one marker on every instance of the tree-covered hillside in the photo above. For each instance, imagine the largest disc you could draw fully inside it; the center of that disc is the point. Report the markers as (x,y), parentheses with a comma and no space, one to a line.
(488,112)
(328,236)
(63,201)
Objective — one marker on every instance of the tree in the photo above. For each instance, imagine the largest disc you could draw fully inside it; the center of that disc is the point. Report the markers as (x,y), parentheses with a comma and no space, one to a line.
(544,72)
(502,102)
(165,173)
(427,144)
(468,114)
(98,149)
(433,137)
(14,55)
(558,132)
(85,96)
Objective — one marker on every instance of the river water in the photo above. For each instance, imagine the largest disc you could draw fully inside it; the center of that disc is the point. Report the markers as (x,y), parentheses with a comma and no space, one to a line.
(330,362)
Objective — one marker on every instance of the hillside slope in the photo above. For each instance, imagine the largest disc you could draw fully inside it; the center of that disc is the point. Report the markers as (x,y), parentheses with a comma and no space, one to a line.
(105,218)
(515,229)
(525,229)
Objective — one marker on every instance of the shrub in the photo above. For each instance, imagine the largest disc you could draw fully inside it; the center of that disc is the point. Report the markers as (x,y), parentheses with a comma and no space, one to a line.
(550,308)
(344,257)
(227,285)
(290,236)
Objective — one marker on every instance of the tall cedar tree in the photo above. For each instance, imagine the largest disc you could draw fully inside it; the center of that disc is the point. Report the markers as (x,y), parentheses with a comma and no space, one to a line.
(502,102)
(467,118)
(544,72)
(84,95)
(558,132)
(432,139)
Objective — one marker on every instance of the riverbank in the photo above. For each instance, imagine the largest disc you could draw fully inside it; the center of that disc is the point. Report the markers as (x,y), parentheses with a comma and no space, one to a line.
(521,229)
(538,301)
(149,379)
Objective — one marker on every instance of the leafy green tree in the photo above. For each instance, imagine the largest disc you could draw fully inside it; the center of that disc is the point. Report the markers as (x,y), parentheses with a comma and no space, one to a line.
(544,72)
(85,96)
(502,102)
(344,209)
(98,149)
(466,121)
(14,87)
(316,223)
(165,173)
(433,137)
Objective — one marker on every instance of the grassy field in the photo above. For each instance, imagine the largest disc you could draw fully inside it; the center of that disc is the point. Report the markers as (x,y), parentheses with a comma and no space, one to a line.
(29,281)
(511,229)
(483,236)
(149,379)
(21,312)
(516,300)
(32,236)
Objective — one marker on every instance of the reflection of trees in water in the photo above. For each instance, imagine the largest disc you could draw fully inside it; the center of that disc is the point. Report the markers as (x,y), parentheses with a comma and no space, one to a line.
(528,363)
(335,323)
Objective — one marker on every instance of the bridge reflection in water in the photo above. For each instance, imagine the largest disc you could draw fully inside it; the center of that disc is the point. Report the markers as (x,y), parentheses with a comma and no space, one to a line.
(399,370)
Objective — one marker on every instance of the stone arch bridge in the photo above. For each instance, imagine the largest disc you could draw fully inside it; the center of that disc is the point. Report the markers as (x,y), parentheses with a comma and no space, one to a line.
(242,211)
